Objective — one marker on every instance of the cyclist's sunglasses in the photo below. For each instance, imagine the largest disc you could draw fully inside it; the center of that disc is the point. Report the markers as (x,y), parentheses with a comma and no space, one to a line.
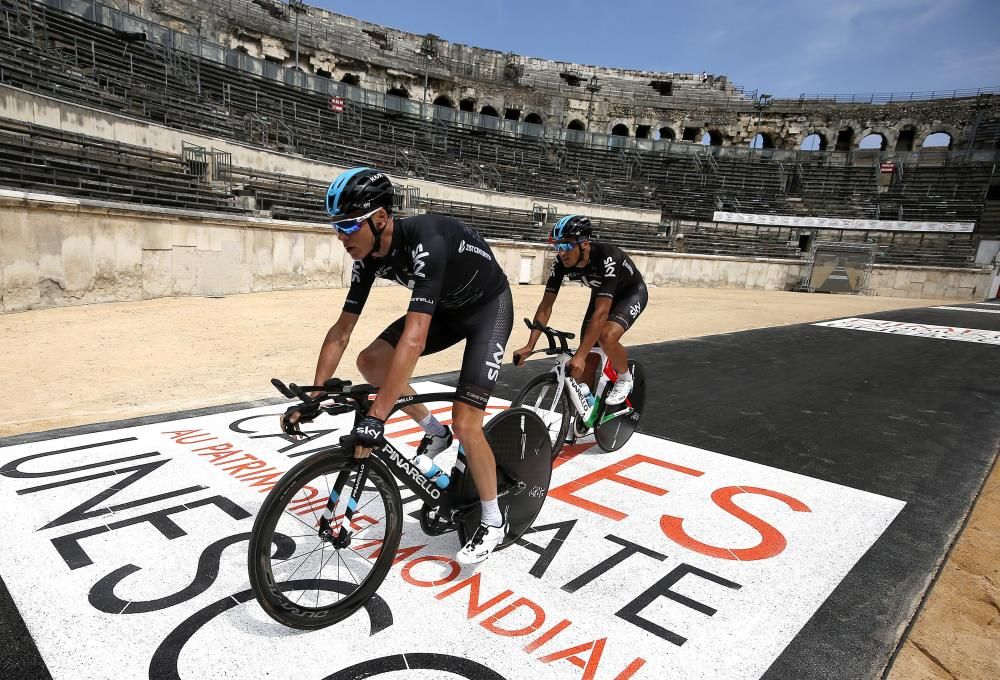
(350,225)
(561,246)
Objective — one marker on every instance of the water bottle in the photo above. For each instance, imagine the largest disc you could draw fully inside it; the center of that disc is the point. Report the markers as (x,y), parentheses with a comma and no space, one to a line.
(431,471)
(585,391)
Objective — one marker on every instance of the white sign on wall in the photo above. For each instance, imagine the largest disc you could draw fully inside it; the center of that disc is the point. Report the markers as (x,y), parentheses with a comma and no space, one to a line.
(125,552)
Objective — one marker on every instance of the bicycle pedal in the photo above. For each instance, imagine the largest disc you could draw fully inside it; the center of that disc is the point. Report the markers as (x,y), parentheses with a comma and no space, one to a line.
(433,524)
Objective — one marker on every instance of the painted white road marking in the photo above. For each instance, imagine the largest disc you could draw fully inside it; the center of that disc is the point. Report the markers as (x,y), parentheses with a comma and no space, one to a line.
(991,304)
(969,309)
(658,560)
(920,330)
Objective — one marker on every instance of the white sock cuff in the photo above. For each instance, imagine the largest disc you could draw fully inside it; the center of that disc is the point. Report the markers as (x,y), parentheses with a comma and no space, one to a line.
(432,426)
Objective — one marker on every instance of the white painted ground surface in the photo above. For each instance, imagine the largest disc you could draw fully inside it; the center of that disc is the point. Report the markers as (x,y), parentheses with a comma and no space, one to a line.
(797,540)
(919,330)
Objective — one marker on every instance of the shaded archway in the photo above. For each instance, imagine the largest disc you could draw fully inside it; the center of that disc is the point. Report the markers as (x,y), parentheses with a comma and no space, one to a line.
(620,130)
(845,138)
(533,118)
(813,142)
(643,131)
(906,138)
(874,141)
(712,138)
(401,92)
(576,125)
(668,134)
(489,111)
(762,140)
(467,104)
(444,100)
(352,79)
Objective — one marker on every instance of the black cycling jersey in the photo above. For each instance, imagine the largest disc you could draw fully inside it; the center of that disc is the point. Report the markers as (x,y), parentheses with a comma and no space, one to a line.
(442,261)
(609,272)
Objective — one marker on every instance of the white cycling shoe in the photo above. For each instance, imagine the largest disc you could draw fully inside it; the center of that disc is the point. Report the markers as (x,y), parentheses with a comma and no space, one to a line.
(482,544)
(619,392)
(432,445)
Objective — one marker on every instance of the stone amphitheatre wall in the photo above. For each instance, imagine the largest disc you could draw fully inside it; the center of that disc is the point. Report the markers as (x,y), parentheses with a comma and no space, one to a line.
(58,251)
(555,94)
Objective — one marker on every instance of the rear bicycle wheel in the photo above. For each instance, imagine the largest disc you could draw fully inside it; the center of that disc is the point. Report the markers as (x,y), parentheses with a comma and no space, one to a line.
(522,448)
(539,395)
(324,581)
(613,434)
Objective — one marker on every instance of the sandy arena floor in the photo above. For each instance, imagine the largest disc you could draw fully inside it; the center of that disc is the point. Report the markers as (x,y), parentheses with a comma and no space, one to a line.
(78,365)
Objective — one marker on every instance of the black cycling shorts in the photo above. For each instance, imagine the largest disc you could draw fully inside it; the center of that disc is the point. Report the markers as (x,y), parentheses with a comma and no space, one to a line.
(625,307)
(485,329)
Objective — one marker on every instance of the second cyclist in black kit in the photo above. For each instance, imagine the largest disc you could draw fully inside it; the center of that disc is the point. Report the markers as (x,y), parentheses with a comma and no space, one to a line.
(617,297)
(458,292)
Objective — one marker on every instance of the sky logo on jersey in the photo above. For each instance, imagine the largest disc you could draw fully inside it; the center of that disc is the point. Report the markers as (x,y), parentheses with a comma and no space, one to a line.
(418,260)
(356,271)
(463,246)
(609,266)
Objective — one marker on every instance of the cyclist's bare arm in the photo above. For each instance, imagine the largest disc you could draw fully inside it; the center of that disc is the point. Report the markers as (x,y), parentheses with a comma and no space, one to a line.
(334,346)
(542,315)
(404,360)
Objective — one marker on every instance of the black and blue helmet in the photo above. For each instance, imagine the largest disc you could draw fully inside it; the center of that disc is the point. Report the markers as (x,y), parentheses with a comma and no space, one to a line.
(576,227)
(359,189)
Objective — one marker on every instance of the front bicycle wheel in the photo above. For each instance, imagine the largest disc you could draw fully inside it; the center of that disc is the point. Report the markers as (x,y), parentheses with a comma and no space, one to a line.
(325,580)
(539,395)
(522,448)
(618,423)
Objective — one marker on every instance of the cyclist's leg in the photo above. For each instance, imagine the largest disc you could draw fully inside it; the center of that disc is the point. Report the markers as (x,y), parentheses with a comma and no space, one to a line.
(592,367)
(487,332)
(374,360)
(624,312)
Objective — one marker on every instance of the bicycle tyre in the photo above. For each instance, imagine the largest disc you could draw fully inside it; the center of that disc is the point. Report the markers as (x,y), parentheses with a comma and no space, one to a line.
(614,434)
(271,594)
(527,458)
(546,385)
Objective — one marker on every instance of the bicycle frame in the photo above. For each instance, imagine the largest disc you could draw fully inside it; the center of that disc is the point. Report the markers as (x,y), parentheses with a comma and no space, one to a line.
(401,467)
(592,415)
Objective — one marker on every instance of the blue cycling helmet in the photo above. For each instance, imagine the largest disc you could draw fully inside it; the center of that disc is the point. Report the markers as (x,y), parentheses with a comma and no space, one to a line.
(359,189)
(576,227)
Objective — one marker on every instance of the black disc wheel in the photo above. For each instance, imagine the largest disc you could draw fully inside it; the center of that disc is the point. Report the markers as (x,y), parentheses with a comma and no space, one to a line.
(616,424)
(539,395)
(522,448)
(325,580)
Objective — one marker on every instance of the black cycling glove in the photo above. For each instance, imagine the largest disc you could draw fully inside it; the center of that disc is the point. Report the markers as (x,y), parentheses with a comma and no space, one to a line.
(307,413)
(370,432)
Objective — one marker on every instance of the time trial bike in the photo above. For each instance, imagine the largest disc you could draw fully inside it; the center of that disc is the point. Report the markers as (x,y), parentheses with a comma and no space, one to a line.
(569,410)
(328,531)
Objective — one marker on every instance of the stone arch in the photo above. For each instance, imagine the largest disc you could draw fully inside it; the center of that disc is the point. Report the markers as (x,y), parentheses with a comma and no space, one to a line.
(667,134)
(398,91)
(712,137)
(763,139)
(953,133)
(534,119)
(352,79)
(887,134)
(488,110)
(845,137)
(620,130)
(444,100)
(822,139)
(577,125)
(467,104)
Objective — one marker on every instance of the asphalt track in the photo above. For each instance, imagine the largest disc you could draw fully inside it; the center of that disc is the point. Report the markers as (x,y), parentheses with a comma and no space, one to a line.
(905,417)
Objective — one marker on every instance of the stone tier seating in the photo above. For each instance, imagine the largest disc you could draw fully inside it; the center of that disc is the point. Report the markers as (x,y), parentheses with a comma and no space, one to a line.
(61,55)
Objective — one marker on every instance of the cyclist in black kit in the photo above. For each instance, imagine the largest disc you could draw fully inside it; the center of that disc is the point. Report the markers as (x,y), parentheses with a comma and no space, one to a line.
(459,292)
(617,297)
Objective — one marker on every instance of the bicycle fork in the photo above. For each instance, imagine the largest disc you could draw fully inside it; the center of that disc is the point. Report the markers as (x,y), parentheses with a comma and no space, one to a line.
(326,528)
